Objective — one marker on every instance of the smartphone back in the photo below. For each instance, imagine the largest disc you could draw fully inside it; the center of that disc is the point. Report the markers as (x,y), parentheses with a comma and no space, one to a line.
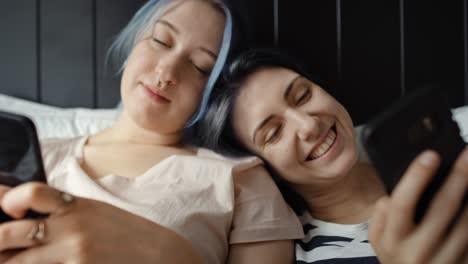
(20,155)
(420,121)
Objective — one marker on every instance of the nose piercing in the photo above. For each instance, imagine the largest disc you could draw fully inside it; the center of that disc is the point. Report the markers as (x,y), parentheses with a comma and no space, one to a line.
(158,81)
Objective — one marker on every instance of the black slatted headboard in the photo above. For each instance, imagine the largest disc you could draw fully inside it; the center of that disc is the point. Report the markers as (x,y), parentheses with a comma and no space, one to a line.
(53,51)
(367,52)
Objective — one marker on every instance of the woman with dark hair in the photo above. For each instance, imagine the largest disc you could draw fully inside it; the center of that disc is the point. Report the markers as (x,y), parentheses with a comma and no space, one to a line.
(171,202)
(271,108)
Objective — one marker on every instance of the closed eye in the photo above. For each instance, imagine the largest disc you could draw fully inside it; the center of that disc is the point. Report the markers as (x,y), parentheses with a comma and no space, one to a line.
(160,42)
(273,134)
(201,70)
(304,97)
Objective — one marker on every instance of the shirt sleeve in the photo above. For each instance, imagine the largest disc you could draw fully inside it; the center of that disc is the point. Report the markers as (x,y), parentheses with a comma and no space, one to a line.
(260,212)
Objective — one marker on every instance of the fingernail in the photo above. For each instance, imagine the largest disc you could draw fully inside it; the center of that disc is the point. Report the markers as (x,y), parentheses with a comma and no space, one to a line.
(428,158)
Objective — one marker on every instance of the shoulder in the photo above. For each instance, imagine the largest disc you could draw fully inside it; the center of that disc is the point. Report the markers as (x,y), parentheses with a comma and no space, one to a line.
(250,177)
(261,213)
(56,150)
(50,146)
(255,180)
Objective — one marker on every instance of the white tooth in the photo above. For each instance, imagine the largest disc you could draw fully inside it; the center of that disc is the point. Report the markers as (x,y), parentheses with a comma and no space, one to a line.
(320,151)
(323,149)
(325,146)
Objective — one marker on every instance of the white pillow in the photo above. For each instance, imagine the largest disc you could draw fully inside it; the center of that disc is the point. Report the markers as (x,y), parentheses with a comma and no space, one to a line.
(69,122)
(59,122)
(460,115)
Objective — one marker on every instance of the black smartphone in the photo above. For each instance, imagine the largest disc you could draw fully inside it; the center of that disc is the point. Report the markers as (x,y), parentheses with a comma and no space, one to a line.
(20,154)
(419,121)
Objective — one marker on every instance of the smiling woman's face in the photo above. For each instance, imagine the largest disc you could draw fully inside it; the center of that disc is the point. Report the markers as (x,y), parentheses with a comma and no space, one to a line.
(166,72)
(302,131)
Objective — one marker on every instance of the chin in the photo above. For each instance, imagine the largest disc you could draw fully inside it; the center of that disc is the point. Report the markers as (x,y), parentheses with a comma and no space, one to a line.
(143,118)
(343,165)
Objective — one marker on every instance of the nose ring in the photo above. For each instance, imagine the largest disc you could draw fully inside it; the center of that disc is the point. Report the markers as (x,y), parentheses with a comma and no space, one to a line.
(158,81)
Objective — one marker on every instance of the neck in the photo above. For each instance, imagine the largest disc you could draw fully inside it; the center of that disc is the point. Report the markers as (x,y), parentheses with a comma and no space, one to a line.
(125,130)
(349,201)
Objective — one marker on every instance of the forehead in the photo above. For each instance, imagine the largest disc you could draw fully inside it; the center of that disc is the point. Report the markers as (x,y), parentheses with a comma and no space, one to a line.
(260,95)
(267,82)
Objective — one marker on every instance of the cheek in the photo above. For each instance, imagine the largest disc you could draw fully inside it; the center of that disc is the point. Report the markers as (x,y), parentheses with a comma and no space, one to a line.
(353,149)
(190,95)
(124,84)
(187,104)
(129,78)
(286,167)
(186,111)
(139,62)
(282,156)
(347,122)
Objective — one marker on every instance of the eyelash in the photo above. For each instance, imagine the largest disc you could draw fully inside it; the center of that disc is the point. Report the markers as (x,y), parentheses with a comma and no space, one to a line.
(275,135)
(303,96)
(200,70)
(161,42)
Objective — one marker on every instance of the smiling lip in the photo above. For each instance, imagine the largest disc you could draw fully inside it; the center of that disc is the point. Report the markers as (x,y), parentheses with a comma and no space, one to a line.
(320,142)
(155,95)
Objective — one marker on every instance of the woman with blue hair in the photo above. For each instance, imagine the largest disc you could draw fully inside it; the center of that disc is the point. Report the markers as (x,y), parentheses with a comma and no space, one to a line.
(172,202)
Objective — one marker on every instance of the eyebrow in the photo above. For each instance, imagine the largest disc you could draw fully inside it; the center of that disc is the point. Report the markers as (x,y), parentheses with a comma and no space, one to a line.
(285,95)
(175,30)
(169,25)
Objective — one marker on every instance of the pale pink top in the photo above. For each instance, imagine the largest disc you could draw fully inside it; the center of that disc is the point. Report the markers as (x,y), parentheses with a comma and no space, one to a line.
(210,200)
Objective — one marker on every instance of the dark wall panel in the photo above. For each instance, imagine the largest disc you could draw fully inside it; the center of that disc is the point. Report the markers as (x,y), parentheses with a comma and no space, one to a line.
(67,63)
(258,19)
(465,26)
(309,30)
(434,45)
(18,66)
(367,53)
(111,17)
(370,56)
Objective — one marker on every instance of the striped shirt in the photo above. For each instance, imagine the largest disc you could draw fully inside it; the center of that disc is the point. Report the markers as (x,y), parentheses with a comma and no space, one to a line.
(326,242)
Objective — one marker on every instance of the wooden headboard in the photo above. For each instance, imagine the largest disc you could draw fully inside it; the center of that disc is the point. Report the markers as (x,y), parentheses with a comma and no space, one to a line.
(368,53)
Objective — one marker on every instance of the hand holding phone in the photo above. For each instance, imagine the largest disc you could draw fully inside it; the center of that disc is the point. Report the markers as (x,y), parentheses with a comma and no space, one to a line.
(440,237)
(420,121)
(20,154)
